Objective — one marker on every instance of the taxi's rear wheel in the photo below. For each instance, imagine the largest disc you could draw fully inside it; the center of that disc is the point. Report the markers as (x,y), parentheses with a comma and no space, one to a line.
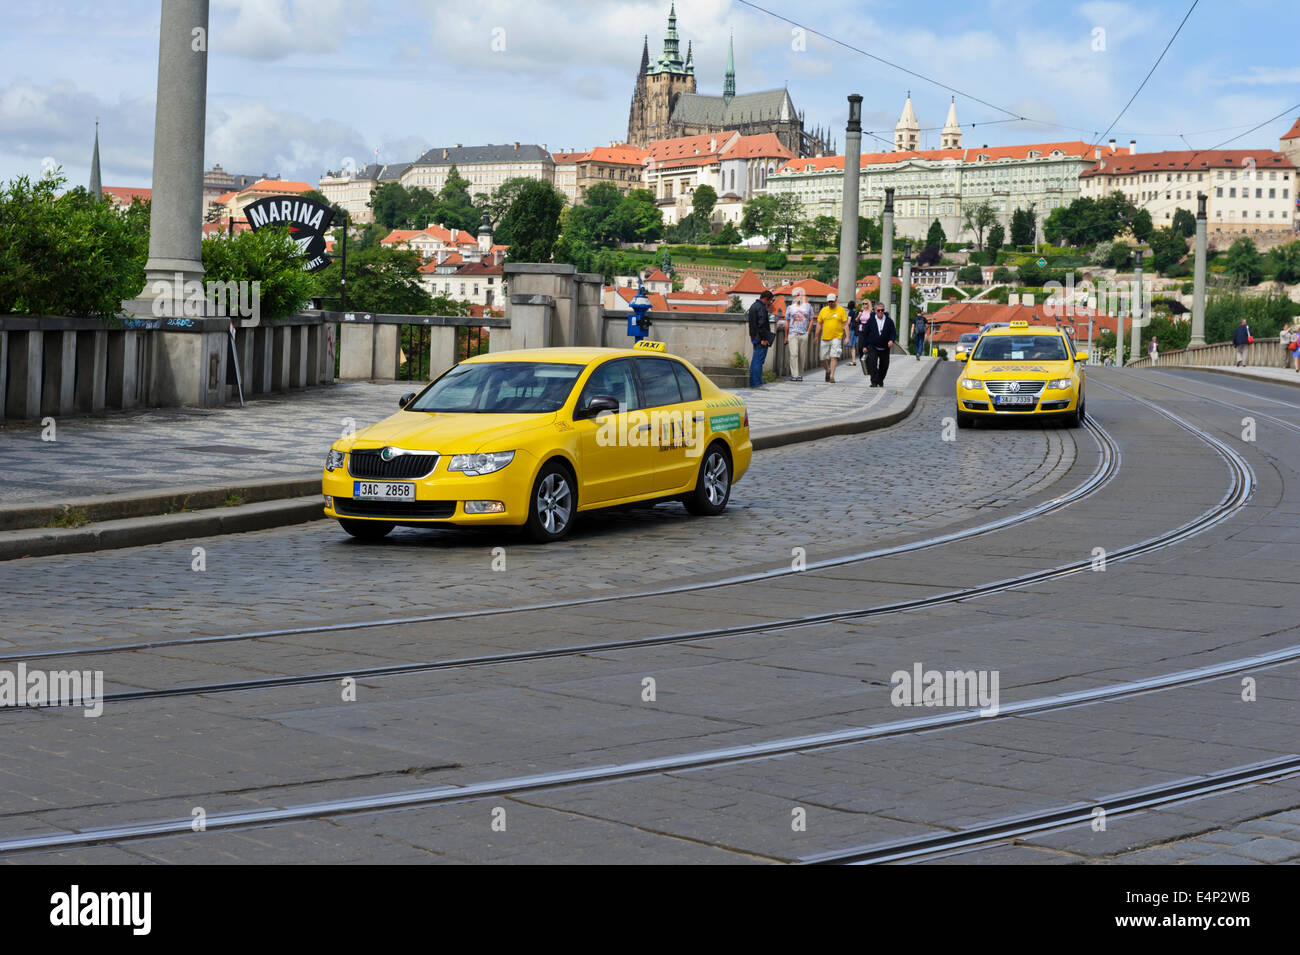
(366,530)
(713,486)
(554,503)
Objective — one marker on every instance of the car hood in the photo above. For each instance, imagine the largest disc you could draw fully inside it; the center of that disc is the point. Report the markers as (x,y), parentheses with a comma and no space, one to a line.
(449,433)
(1017,369)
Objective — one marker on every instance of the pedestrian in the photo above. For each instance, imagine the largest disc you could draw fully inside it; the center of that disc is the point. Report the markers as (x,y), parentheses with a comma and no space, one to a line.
(1286,338)
(831,325)
(1242,338)
(918,333)
(798,320)
(851,328)
(878,337)
(760,334)
(1153,350)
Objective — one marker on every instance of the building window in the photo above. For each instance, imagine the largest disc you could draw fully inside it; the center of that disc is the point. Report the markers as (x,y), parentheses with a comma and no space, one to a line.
(1218,192)
(1232,192)
(1272,193)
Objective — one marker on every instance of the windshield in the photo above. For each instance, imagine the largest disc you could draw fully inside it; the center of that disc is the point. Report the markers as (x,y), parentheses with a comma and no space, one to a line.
(1020,348)
(503,387)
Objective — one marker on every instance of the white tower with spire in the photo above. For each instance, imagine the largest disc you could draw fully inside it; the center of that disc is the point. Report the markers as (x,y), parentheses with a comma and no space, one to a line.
(908,131)
(950,138)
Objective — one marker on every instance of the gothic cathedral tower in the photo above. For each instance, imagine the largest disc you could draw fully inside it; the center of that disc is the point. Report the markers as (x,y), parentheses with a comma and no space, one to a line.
(658,87)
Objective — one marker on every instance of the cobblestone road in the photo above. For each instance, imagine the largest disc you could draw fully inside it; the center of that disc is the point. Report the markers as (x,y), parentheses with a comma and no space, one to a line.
(828,497)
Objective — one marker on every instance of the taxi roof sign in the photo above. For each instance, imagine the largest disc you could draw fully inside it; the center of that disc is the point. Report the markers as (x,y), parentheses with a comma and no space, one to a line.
(1020,324)
(647,345)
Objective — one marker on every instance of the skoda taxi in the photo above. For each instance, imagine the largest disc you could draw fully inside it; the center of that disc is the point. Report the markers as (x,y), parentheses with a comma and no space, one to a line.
(532,438)
(1021,370)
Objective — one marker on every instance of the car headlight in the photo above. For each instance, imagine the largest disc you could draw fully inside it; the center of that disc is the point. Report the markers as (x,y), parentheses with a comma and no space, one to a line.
(475,464)
(1059,383)
(970,384)
(333,459)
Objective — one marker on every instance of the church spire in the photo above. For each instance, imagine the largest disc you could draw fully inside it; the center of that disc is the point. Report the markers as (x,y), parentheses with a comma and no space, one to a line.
(950,138)
(690,59)
(908,130)
(96,183)
(671,61)
(729,80)
(645,54)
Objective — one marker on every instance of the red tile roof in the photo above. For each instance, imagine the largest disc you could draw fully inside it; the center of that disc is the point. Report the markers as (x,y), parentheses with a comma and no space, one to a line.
(764,144)
(1076,148)
(1187,159)
(657,301)
(1294,132)
(568,157)
(622,154)
(812,287)
(279,185)
(657,276)
(126,194)
(748,283)
(477,268)
(957,318)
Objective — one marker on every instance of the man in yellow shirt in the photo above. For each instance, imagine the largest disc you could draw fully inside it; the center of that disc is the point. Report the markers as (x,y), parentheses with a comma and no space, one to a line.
(832,322)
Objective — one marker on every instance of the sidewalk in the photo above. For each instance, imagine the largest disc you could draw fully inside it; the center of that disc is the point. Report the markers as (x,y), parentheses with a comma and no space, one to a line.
(165,474)
(1279,375)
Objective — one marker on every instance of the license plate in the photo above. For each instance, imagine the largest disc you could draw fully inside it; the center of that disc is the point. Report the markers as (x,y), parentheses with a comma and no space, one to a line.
(382,491)
(1015,399)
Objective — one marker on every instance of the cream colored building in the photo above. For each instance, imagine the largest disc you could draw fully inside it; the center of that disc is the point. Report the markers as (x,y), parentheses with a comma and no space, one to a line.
(1248,191)
(351,191)
(486,167)
(729,162)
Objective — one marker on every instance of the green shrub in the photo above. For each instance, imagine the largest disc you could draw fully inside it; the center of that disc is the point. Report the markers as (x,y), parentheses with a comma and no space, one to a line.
(268,257)
(775,261)
(970,275)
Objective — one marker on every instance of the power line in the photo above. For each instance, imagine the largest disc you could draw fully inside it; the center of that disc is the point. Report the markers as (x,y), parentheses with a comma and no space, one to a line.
(1150,72)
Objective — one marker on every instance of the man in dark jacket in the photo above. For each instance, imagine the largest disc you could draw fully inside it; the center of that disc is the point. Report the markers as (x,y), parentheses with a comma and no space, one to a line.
(877,338)
(760,334)
(1241,338)
(918,333)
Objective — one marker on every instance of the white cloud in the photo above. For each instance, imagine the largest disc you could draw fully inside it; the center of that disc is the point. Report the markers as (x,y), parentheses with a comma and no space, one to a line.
(275,29)
(254,138)
(1268,75)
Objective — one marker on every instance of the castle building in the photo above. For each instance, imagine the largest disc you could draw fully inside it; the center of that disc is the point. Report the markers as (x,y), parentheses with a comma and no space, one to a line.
(666,104)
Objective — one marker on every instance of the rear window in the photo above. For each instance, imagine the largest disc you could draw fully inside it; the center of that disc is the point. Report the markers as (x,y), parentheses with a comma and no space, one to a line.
(658,382)
(686,382)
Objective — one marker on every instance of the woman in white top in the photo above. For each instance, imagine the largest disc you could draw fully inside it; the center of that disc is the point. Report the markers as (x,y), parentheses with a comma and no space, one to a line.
(798,319)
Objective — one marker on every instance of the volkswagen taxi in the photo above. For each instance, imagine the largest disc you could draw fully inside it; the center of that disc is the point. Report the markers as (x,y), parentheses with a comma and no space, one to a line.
(533,438)
(1021,370)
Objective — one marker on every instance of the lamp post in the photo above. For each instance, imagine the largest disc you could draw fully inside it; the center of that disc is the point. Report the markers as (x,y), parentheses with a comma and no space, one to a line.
(903,325)
(1198,279)
(848,275)
(1136,308)
(887,251)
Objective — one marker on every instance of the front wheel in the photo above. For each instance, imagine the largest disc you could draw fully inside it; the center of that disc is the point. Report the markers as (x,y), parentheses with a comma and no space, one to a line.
(1075,417)
(964,420)
(713,487)
(554,502)
(366,530)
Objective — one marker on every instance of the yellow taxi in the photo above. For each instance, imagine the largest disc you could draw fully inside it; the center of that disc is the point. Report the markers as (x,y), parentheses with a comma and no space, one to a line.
(1020,369)
(532,438)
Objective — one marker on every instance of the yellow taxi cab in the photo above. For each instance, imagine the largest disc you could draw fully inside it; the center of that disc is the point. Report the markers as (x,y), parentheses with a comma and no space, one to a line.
(1020,369)
(532,438)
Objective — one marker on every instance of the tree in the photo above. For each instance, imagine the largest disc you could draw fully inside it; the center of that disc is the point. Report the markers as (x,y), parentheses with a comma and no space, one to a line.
(1002,275)
(869,233)
(73,254)
(1286,262)
(534,222)
(978,219)
(821,233)
(970,275)
(1024,227)
(1055,226)
(1184,223)
(379,280)
(997,236)
(930,255)
(735,305)
(1167,248)
(728,235)
(268,257)
(1118,255)
(703,201)
(498,204)
(390,204)
(1141,226)
(756,216)
(454,208)
(936,235)
(1244,263)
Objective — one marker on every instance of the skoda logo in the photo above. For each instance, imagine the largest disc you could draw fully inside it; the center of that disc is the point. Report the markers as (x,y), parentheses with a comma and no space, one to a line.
(387,454)
(1013,387)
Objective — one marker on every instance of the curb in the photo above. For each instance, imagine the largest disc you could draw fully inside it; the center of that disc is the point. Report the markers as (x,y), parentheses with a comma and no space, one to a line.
(1249,377)
(134,521)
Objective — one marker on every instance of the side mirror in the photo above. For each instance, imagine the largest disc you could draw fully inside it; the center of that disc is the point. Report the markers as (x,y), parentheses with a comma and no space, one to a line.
(596,405)
(406,399)
(1081,356)
(959,356)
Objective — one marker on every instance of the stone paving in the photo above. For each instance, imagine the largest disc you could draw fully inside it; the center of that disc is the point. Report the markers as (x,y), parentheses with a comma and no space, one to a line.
(286,437)
(1220,595)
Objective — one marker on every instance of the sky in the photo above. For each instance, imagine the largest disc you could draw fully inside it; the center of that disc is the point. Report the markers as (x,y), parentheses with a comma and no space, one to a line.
(298,87)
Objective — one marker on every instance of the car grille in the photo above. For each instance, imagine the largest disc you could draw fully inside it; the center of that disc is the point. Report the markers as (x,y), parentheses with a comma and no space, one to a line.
(1004,387)
(369,465)
(395,510)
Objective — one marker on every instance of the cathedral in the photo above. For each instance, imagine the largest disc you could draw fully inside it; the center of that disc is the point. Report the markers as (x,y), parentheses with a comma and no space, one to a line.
(665,104)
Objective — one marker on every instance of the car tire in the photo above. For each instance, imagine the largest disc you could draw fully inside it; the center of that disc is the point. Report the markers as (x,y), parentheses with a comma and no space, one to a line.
(553,504)
(713,486)
(366,530)
(965,420)
(1075,417)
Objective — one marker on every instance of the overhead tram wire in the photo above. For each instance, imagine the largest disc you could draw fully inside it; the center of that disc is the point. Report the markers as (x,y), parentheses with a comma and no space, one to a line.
(1150,73)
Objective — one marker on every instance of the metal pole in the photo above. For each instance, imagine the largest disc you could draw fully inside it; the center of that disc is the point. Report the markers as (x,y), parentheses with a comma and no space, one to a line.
(343,267)
(1198,281)
(848,276)
(904,324)
(887,251)
(1136,309)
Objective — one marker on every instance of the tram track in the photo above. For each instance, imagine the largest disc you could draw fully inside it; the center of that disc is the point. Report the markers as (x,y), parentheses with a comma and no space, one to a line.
(1239,491)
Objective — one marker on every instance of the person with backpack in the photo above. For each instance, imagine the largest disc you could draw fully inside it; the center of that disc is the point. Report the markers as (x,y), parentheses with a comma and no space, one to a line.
(760,335)
(1242,338)
(918,333)
(1287,339)
(852,327)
